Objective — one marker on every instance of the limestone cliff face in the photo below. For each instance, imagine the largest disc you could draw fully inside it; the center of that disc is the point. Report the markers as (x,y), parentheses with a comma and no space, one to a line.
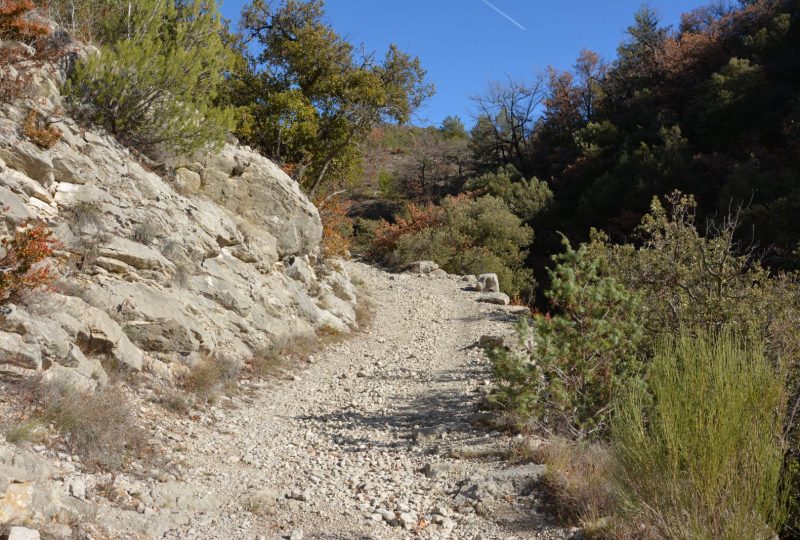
(219,256)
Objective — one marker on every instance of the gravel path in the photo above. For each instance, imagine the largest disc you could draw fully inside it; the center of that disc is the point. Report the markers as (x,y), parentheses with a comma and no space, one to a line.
(372,439)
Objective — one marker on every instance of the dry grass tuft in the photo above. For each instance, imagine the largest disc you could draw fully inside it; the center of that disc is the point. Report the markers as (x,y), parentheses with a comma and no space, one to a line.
(83,214)
(578,482)
(183,274)
(365,312)
(87,250)
(268,362)
(212,376)
(176,400)
(28,431)
(261,503)
(100,427)
(527,450)
(146,233)
(283,354)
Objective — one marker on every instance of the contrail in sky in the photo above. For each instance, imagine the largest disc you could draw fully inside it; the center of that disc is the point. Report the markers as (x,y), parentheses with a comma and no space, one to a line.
(501,12)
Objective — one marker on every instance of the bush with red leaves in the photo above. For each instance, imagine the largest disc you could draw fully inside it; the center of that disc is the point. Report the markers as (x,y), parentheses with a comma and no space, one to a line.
(23,267)
(16,25)
(337,227)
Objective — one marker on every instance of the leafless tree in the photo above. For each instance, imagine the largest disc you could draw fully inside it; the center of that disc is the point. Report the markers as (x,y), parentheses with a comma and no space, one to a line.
(514,107)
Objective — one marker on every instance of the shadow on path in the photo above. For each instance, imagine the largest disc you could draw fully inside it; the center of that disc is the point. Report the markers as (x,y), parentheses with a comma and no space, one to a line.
(445,408)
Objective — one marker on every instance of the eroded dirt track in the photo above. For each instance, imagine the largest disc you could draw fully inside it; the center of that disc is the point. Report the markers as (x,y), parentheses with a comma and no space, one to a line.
(373,438)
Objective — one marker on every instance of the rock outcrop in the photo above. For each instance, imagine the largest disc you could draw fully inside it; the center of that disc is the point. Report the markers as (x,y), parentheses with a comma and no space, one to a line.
(217,257)
(215,254)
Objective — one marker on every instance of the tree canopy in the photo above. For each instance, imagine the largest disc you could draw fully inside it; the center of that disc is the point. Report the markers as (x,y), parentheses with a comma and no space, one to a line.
(310,96)
(710,108)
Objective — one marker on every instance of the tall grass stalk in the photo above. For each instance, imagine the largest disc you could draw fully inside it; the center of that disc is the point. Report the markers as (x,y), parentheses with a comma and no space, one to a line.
(700,456)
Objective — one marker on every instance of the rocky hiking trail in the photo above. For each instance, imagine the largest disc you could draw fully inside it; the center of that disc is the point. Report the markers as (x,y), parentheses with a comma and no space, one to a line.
(373,438)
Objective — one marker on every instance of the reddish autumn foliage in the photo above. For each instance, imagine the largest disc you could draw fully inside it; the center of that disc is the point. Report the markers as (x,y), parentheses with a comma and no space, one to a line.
(289,168)
(24,266)
(337,227)
(15,25)
(416,218)
(39,131)
(14,21)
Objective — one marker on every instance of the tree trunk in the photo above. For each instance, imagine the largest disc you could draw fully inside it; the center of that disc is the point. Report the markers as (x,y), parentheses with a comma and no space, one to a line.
(331,156)
(320,176)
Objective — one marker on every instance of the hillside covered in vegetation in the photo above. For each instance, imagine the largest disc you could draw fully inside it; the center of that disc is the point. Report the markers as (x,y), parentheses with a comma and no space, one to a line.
(182,191)
(646,206)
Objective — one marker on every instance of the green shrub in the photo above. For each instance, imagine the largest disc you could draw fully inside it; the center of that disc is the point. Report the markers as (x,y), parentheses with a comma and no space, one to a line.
(688,279)
(525,198)
(612,303)
(699,451)
(155,89)
(791,528)
(576,359)
(472,236)
(388,185)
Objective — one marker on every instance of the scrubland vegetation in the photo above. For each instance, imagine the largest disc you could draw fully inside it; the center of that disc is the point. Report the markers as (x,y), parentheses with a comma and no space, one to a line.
(662,356)
(656,241)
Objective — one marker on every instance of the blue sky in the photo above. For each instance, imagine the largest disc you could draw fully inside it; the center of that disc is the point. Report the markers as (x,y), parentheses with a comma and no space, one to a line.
(463,44)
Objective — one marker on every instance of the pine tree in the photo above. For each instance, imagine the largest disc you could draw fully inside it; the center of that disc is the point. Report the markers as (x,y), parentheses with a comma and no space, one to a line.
(156,87)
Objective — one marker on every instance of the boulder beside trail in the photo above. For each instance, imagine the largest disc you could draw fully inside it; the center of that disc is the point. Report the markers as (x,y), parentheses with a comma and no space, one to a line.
(421,267)
(497,298)
(488,283)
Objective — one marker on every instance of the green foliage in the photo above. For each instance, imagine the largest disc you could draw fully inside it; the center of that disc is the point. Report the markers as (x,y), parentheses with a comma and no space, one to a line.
(595,140)
(731,85)
(688,280)
(638,173)
(699,451)
(473,237)
(576,359)
(525,198)
(486,150)
(732,95)
(310,96)
(791,528)
(155,88)
(453,128)
(387,185)
(638,55)
(710,108)
(613,303)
